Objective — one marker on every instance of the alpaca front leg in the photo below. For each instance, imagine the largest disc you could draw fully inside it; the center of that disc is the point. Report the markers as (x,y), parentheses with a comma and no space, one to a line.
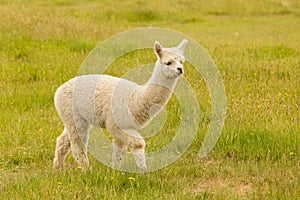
(128,139)
(137,148)
(117,153)
(140,160)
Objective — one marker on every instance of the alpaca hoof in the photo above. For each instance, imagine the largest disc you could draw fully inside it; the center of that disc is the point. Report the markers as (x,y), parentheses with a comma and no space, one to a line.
(57,166)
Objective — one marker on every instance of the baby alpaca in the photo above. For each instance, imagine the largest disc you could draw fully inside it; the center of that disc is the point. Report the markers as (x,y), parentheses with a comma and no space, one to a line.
(118,105)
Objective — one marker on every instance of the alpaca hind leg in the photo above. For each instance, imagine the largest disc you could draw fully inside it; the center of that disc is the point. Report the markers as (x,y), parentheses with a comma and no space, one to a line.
(62,149)
(84,133)
(79,141)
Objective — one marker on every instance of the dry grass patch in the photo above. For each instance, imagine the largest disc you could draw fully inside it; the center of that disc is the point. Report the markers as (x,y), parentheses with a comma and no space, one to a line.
(237,188)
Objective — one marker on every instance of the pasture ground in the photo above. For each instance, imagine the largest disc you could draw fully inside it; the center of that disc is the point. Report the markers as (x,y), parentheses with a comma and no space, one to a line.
(256,46)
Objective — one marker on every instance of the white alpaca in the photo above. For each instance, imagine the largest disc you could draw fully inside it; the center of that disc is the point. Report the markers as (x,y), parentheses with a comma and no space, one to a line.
(118,105)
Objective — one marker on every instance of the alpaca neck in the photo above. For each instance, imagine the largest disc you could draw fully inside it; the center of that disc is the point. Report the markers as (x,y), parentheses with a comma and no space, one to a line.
(150,98)
(159,88)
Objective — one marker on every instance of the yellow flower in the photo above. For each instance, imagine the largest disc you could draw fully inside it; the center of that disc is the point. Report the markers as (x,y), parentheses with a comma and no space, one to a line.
(204,169)
(21,148)
(59,183)
(79,167)
(112,178)
(131,178)
(292,153)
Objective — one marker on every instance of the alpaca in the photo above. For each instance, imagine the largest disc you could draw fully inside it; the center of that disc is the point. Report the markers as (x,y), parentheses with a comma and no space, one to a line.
(118,105)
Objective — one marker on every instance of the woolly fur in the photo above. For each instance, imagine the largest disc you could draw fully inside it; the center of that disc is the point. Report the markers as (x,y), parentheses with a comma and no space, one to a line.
(118,105)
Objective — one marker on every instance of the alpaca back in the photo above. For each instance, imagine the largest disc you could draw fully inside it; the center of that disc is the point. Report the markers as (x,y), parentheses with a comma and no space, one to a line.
(96,99)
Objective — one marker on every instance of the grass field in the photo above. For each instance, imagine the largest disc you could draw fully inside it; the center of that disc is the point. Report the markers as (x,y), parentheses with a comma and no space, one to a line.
(256,46)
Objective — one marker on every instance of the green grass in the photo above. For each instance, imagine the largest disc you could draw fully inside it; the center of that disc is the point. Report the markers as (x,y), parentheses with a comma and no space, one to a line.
(255,45)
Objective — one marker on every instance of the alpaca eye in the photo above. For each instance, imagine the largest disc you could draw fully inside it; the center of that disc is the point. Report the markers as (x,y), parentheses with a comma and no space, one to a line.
(169,63)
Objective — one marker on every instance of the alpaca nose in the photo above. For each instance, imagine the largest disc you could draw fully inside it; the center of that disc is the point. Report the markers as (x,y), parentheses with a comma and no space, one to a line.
(179,70)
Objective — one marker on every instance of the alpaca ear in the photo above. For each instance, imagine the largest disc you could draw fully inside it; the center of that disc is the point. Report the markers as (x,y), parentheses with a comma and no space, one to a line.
(182,44)
(158,49)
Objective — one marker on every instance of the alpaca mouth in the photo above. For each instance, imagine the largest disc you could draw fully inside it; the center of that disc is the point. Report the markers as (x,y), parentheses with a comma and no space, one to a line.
(179,71)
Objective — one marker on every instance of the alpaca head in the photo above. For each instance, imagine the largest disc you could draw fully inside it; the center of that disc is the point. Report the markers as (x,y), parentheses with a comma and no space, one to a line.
(170,60)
